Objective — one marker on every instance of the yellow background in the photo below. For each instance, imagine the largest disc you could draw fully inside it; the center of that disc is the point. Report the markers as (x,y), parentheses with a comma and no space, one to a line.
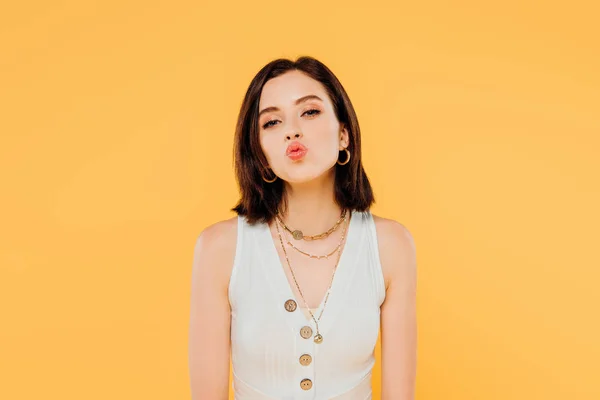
(481,131)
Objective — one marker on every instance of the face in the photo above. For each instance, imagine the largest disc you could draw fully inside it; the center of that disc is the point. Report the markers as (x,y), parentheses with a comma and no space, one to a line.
(294,107)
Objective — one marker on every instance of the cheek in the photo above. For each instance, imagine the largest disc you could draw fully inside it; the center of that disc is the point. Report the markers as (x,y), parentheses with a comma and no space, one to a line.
(324,152)
(326,131)
(326,140)
(268,145)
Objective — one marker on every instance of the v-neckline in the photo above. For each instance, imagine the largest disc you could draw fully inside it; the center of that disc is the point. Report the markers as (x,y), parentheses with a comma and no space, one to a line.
(340,269)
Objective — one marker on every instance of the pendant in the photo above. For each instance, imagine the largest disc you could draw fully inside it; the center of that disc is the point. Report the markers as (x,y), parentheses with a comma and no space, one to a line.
(297,235)
(318,338)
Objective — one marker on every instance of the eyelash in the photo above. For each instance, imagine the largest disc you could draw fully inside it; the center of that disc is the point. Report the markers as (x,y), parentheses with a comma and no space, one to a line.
(268,123)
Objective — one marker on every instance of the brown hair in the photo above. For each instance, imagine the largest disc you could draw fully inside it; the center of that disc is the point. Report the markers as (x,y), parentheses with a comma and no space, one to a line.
(260,200)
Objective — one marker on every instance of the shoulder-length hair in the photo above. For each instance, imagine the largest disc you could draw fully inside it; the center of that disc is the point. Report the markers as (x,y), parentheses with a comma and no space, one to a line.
(260,200)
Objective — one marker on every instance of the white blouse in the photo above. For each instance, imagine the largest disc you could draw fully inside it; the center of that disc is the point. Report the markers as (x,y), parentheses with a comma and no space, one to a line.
(270,355)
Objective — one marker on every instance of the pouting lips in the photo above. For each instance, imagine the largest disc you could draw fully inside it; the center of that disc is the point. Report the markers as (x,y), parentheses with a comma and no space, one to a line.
(294,148)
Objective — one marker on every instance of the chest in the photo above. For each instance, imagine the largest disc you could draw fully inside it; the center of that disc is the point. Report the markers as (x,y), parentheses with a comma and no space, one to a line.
(309,267)
(263,329)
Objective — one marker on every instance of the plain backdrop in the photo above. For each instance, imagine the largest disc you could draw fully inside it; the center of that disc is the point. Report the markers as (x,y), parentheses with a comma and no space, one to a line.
(480,128)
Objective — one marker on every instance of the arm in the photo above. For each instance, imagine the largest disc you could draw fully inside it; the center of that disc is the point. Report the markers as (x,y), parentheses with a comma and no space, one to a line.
(209,325)
(398,312)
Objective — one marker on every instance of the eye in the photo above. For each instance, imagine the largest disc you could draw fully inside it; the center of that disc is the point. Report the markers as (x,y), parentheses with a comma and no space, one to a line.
(269,123)
(317,112)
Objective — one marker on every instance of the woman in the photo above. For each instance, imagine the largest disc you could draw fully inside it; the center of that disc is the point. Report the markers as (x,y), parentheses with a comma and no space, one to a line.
(298,284)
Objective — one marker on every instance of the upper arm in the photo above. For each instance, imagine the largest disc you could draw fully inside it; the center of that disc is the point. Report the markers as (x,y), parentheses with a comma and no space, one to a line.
(209,324)
(398,311)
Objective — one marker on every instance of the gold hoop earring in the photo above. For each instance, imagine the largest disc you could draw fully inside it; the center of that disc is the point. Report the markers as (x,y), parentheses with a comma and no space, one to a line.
(271,181)
(347,158)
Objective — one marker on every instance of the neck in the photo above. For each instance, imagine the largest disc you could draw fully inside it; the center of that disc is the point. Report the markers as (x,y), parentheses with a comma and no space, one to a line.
(311,205)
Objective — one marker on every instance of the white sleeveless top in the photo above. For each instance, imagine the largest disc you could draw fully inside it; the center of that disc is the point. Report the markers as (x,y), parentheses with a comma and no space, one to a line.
(266,344)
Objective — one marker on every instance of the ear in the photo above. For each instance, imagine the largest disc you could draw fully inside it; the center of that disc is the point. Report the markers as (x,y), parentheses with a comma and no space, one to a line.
(344,137)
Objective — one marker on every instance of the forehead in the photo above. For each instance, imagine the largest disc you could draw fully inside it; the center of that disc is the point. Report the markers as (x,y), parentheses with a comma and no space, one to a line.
(285,89)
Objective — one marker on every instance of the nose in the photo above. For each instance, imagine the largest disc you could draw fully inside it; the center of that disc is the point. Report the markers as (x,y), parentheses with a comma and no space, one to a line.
(291,136)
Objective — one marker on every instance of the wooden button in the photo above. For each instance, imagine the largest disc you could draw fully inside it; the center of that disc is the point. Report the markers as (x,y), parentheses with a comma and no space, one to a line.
(305,359)
(306,332)
(290,305)
(306,384)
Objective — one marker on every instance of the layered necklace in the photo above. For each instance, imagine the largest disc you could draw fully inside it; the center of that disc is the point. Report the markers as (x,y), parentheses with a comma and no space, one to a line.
(298,235)
(318,337)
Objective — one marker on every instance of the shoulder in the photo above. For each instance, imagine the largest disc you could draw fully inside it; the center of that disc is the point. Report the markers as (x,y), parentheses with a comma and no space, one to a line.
(397,250)
(214,249)
(392,232)
(219,232)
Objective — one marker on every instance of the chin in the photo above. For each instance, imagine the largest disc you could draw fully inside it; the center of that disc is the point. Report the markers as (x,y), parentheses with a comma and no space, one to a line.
(305,176)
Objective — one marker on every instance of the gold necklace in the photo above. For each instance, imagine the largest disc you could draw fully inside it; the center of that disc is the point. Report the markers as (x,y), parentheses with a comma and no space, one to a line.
(298,235)
(318,337)
(318,257)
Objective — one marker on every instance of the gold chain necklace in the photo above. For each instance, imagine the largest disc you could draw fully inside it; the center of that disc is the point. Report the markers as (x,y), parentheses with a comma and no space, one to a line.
(298,235)
(318,337)
(318,257)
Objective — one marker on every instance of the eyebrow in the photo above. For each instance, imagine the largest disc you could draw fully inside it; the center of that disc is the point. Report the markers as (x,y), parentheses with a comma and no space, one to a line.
(300,100)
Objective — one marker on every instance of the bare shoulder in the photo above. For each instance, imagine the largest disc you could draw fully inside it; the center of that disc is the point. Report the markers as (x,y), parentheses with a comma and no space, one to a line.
(215,249)
(220,231)
(397,250)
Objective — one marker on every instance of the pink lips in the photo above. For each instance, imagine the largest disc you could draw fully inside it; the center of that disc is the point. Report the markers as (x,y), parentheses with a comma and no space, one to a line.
(296,151)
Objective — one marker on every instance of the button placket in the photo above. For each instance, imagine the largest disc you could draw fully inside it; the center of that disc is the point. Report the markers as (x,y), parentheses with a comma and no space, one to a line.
(304,381)
(304,329)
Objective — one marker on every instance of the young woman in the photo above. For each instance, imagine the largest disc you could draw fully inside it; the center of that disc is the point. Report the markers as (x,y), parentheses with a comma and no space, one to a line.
(295,288)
